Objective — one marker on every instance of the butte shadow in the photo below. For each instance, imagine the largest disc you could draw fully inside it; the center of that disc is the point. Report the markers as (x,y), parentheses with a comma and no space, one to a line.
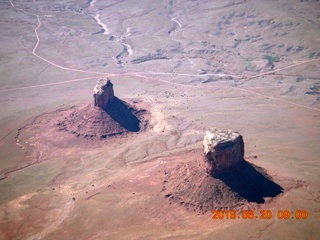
(123,114)
(250,182)
(220,178)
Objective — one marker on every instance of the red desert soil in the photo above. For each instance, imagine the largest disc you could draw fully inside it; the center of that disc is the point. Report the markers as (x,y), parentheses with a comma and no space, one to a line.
(186,182)
(81,124)
(176,182)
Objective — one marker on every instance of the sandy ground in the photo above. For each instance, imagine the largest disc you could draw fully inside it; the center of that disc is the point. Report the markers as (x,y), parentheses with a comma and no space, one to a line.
(250,66)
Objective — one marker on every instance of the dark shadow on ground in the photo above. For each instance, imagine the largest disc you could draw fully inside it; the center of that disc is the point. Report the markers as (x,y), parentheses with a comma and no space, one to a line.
(122,113)
(250,182)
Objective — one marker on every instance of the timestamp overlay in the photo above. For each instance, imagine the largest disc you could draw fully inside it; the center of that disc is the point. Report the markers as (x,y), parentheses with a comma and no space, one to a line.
(263,214)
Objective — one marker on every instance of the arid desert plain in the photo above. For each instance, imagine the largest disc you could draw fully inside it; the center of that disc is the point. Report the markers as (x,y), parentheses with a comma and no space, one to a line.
(185,66)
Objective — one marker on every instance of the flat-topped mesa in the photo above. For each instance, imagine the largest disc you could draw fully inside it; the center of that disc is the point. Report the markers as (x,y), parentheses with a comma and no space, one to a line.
(103,93)
(223,149)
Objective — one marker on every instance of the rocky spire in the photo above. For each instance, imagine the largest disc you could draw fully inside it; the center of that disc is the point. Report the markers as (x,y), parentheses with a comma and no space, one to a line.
(223,149)
(103,93)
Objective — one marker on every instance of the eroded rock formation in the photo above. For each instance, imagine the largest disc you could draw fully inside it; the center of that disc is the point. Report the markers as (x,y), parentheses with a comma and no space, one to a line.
(103,93)
(223,149)
(231,182)
(106,117)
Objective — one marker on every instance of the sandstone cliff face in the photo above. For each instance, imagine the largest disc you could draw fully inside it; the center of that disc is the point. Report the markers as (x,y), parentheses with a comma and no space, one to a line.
(223,149)
(103,93)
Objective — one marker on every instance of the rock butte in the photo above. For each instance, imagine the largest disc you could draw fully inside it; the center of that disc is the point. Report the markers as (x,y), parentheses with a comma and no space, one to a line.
(103,93)
(223,149)
(107,116)
(220,178)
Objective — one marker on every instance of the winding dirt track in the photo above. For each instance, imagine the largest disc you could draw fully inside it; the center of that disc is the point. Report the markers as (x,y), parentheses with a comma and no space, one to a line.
(145,75)
(67,208)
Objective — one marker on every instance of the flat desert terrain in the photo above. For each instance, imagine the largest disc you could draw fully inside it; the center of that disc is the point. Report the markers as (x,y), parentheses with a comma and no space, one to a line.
(252,66)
